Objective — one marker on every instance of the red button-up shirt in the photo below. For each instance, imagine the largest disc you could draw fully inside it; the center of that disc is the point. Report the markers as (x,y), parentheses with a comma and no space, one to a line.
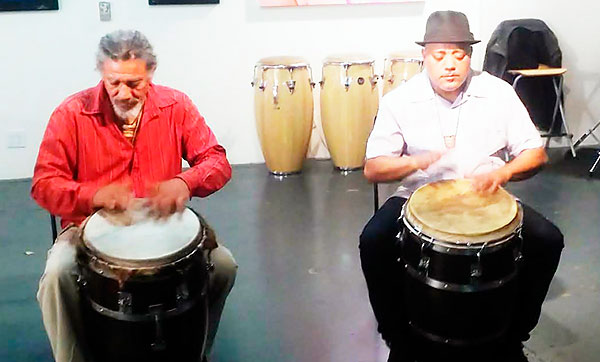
(83,149)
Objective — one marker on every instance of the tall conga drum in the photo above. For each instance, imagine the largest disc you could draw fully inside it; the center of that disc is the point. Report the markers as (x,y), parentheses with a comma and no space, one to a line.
(144,285)
(461,251)
(349,103)
(283,104)
(398,68)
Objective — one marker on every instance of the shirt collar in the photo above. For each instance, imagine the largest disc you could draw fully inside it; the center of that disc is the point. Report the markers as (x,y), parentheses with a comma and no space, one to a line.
(98,102)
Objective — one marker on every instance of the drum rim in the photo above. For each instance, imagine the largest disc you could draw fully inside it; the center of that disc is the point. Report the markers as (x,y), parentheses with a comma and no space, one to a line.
(348,62)
(282,66)
(466,236)
(114,263)
(403,59)
(458,247)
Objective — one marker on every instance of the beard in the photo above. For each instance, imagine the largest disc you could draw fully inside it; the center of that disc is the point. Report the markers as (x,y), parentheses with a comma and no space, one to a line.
(127,114)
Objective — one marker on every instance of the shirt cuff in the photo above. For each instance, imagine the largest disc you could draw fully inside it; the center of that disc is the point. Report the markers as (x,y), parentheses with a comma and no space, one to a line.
(84,199)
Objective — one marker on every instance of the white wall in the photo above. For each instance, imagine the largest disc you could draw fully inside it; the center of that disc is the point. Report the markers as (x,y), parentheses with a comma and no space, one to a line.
(209,51)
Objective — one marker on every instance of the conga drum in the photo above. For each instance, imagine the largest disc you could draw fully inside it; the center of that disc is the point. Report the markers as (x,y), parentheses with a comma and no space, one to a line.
(461,250)
(143,286)
(398,68)
(349,103)
(283,104)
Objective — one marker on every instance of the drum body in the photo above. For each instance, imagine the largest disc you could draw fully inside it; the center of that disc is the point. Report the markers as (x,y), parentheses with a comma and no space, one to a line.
(143,301)
(460,290)
(349,103)
(399,68)
(283,104)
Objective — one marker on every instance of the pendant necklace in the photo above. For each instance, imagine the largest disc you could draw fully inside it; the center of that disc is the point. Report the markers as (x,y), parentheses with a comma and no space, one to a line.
(448,137)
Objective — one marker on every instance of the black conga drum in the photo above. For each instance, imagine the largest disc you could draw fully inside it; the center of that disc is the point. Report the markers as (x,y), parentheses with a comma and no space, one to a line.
(143,284)
(461,250)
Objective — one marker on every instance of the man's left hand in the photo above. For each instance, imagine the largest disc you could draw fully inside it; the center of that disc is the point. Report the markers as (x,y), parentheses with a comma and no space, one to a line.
(168,197)
(490,182)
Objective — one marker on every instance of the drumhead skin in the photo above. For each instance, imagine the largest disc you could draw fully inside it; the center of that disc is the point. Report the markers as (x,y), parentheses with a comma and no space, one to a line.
(453,207)
(283,60)
(135,235)
(348,59)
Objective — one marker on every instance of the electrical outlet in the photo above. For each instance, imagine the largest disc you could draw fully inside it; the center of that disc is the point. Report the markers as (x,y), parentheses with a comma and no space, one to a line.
(104,9)
(16,139)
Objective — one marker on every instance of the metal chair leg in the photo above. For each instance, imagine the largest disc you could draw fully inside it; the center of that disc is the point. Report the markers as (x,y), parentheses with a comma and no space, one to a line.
(375,197)
(54,229)
(594,165)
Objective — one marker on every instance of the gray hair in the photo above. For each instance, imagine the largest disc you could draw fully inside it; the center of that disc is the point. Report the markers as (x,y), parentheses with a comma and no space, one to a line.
(125,45)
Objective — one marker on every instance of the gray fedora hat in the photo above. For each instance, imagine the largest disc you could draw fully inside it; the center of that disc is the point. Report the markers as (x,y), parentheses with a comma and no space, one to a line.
(447,27)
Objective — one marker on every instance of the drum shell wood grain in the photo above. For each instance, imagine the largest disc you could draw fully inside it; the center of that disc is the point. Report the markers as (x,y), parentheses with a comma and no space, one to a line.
(348,113)
(284,118)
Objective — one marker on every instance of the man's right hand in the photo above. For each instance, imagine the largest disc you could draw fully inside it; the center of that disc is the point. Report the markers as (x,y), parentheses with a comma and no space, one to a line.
(424,160)
(115,196)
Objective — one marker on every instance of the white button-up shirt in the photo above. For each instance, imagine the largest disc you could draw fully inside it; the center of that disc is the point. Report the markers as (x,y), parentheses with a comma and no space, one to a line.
(488,120)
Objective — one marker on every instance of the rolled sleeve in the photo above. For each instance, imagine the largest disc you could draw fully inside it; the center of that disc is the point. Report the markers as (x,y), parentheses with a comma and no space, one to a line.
(521,132)
(210,170)
(386,138)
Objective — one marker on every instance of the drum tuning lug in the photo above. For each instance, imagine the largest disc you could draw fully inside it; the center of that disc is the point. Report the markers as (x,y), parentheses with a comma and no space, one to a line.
(291,84)
(275,94)
(312,84)
(374,79)
(252,84)
(182,293)
(347,83)
(424,263)
(261,86)
(475,271)
(321,83)
(124,301)
(391,79)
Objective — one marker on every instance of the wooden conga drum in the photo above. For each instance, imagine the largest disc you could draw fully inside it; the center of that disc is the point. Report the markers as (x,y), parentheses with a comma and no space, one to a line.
(398,68)
(283,104)
(349,103)
(461,250)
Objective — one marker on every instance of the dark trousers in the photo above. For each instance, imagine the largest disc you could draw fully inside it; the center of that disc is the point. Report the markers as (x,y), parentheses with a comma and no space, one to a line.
(542,246)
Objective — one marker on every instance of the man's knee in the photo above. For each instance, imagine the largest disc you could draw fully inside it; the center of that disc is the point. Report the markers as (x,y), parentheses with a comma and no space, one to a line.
(225,268)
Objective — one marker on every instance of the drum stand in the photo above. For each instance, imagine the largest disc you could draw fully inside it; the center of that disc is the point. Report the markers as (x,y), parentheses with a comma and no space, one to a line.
(590,132)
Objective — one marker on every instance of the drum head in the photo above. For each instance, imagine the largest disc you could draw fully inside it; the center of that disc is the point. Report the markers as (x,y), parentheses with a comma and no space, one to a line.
(348,59)
(453,207)
(284,60)
(136,236)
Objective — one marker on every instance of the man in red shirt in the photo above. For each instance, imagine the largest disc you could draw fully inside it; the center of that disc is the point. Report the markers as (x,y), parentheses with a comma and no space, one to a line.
(105,146)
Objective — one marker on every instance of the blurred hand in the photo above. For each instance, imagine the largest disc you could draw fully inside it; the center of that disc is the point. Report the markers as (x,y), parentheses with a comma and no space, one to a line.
(168,197)
(115,196)
(424,160)
(490,182)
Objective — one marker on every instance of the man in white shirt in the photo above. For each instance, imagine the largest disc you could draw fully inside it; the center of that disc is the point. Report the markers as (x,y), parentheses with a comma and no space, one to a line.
(445,123)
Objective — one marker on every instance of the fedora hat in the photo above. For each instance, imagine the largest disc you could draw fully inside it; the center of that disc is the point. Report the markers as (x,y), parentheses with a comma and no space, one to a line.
(447,27)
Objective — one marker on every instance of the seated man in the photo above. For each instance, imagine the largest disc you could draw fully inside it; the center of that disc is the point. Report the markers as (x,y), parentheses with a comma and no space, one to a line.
(452,122)
(104,146)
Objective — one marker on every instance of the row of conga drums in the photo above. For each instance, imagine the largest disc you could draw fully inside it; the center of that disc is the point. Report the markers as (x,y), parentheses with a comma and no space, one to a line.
(284,106)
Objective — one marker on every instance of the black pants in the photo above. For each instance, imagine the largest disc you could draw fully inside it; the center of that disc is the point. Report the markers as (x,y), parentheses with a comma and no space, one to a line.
(542,246)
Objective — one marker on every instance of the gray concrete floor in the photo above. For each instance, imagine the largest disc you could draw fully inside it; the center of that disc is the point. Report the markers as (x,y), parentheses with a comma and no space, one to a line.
(300,295)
